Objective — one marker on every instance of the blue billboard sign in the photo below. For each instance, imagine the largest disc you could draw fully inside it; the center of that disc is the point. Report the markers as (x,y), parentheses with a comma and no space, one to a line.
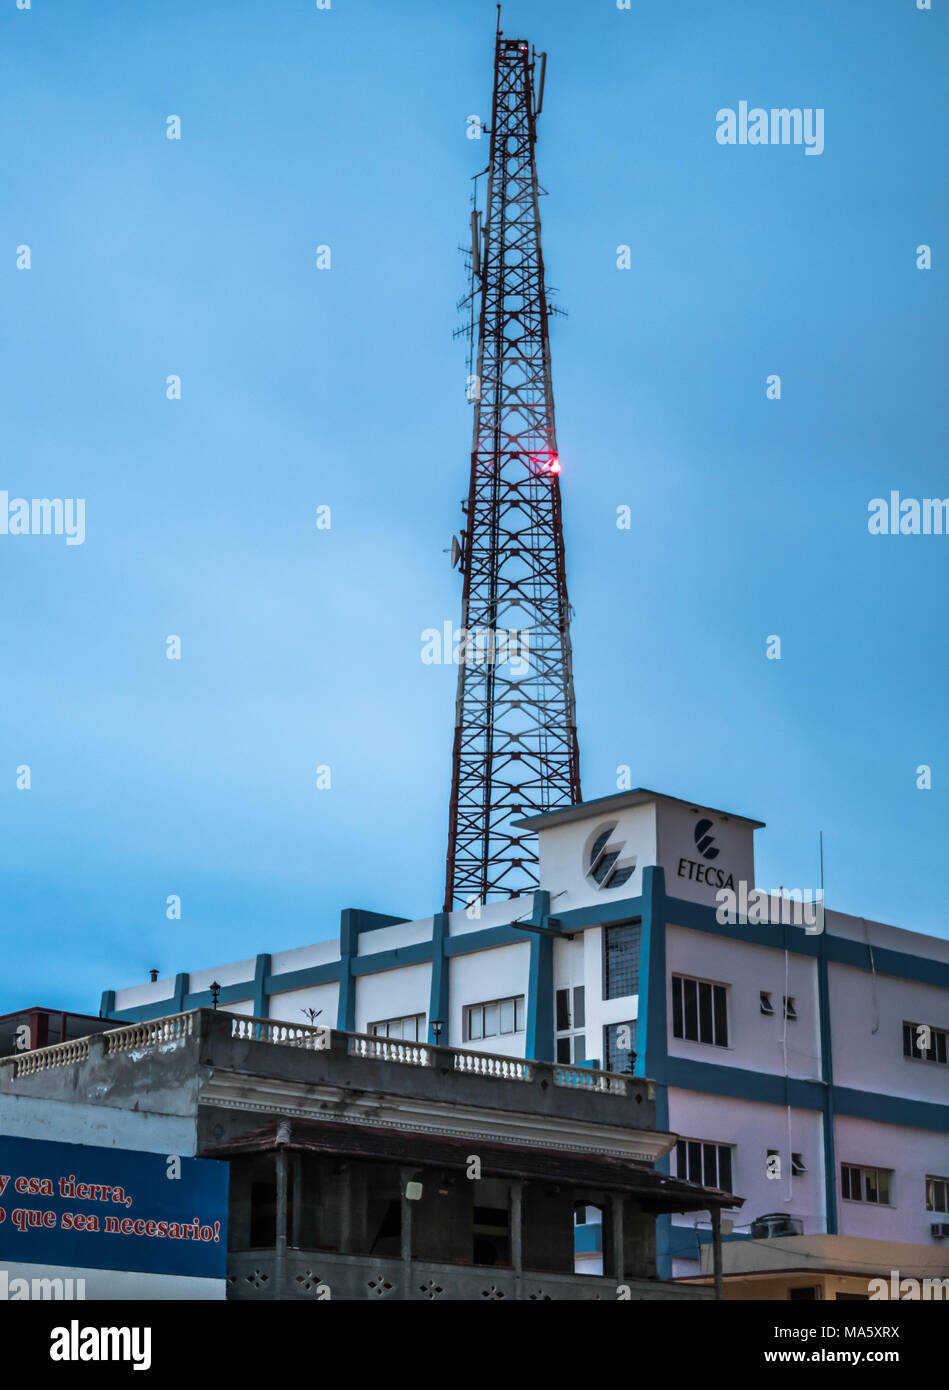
(97,1208)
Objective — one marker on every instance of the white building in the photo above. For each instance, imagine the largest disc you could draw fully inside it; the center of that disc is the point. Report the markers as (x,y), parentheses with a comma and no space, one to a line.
(804,1067)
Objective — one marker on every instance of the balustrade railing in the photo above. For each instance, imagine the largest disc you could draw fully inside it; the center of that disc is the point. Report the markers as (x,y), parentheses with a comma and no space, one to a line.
(58,1055)
(175,1028)
(487,1064)
(154,1032)
(314,1037)
(611,1083)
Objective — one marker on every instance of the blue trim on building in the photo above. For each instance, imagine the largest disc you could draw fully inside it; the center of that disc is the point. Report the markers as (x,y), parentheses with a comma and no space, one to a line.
(418,953)
(484,940)
(107,1003)
(439,1002)
(892,1110)
(303,979)
(353,921)
(599,914)
(182,985)
(539,1045)
(651,1039)
(261,971)
(827,1074)
(740,1083)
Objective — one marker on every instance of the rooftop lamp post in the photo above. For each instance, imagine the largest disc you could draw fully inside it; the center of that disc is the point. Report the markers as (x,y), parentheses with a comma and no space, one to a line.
(215,993)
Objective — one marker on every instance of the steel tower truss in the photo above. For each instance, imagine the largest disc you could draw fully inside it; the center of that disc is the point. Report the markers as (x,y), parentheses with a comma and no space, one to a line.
(515,748)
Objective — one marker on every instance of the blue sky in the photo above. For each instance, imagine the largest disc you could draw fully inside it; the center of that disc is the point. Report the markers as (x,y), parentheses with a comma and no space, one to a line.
(303,388)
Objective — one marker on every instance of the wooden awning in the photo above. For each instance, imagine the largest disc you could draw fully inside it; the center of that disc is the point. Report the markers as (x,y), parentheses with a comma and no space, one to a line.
(657,1191)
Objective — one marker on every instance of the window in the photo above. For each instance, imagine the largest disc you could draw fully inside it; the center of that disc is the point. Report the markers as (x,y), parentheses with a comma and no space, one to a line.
(572,1049)
(411,1029)
(766,1005)
(619,1046)
(798,1165)
(937,1194)
(803,1293)
(500,1017)
(865,1184)
(790,1009)
(925,1044)
(621,960)
(565,1018)
(699,1011)
(709,1164)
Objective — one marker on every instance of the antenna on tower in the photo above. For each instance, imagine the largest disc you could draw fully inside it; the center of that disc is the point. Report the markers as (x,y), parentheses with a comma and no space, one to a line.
(540,84)
(476,242)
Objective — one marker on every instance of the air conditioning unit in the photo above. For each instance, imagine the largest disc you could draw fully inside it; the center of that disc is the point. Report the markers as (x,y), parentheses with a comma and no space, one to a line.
(777,1223)
(940,1230)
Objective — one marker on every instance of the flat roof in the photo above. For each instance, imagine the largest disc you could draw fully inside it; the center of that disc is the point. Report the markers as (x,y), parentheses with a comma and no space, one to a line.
(621,801)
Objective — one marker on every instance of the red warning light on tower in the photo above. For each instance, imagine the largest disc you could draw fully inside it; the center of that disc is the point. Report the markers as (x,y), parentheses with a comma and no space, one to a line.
(554,465)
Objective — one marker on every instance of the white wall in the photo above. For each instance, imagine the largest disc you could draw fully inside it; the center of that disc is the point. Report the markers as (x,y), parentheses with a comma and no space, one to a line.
(867,1016)
(289,1005)
(303,957)
(392,994)
(679,855)
(565,855)
(754,1040)
(73,1122)
(499,973)
(149,993)
(753,1128)
(911,1154)
(238,972)
(489,915)
(390,938)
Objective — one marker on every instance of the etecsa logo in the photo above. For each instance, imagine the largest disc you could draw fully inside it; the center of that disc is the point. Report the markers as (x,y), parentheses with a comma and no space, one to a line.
(704,842)
(605,866)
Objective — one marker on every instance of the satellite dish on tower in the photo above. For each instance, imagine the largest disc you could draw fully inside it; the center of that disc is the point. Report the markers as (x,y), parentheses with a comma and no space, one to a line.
(455,552)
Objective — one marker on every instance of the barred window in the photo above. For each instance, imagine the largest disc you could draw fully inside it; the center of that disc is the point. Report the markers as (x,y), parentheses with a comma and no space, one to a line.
(619,1046)
(621,960)
(935,1050)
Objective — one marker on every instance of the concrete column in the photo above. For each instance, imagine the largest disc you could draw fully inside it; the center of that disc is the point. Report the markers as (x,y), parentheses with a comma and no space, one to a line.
(406,1251)
(517,1234)
(297,1208)
(616,1211)
(346,1210)
(280,1243)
